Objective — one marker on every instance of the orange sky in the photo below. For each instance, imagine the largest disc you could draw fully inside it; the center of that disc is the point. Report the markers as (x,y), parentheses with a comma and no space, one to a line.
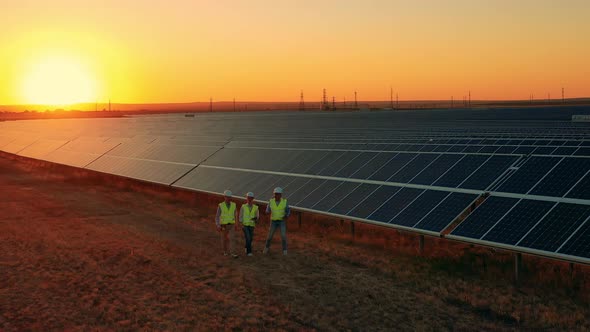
(265,50)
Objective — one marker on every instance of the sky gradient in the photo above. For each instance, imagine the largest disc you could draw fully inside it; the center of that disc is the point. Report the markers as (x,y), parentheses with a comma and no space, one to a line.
(263,50)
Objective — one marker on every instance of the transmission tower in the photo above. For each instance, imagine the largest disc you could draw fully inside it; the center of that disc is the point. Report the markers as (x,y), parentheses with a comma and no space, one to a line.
(391,97)
(356,104)
(301,102)
(324,101)
(333,103)
(211,104)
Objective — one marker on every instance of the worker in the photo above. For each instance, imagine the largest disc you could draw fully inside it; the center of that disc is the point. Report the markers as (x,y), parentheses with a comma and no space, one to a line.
(225,220)
(248,217)
(279,212)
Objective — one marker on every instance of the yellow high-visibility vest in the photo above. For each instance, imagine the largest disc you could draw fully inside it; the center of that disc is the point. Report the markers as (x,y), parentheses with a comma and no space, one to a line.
(249,214)
(278,212)
(228,215)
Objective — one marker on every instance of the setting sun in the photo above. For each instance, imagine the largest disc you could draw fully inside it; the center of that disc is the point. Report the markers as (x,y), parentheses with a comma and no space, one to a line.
(58,80)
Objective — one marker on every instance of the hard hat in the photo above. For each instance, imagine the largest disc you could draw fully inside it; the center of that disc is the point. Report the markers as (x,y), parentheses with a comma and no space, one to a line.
(250,194)
(278,190)
(227,193)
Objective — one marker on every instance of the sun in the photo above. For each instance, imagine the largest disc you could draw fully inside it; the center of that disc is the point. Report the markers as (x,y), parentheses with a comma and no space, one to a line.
(58,81)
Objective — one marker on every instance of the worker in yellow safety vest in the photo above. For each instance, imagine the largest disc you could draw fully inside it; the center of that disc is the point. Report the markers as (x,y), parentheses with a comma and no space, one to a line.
(248,217)
(225,220)
(279,211)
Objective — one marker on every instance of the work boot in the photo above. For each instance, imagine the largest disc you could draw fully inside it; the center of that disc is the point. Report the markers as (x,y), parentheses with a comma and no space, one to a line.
(250,254)
(265,251)
(284,252)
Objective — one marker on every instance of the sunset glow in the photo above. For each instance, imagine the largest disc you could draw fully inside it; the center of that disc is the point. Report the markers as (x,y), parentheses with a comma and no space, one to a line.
(159,51)
(58,81)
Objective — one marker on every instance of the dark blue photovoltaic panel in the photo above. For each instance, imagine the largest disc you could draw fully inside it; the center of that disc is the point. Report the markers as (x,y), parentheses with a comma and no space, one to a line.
(507,149)
(352,200)
(436,169)
(518,221)
(329,158)
(579,243)
(457,148)
(544,150)
(419,208)
(561,179)
(524,150)
(375,164)
(472,149)
(581,190)
(308,159)
(442,148)
(306,189)
(429,148)
(489,149)
(313,198)
(247,183)
(392,166)
(355,164)
(489,172)
(294,184)
(263,188)
(556,227)
(484,217)
(446,212)
(461,171)
(328,202)
(582,152)
(413,167)
(565,151)
(374,201)
(529,174)
(395,204)
(339,163)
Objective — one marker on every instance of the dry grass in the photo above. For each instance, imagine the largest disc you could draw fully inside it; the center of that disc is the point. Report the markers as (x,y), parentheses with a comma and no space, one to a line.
(82,251)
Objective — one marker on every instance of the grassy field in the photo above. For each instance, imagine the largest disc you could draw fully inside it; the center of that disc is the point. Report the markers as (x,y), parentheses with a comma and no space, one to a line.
(81,253)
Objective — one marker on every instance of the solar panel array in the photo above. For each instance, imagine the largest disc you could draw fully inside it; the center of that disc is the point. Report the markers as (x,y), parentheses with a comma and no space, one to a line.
(391,169)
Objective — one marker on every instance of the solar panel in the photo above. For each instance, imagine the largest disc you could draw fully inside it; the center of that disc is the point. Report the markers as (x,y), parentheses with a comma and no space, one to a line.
(299,194)
(488,172)
(394,204)
(518,221)
(319,194)
(354,165)
(329,201)
(446,212)
(414,167)
(561,179)
(339,163)
(579,243)
(435,170)
(461,158)
(328,158)
(376,163)
(461,170)
(529,174)
(419,208)
(354,198)
(392,166)
(484,217)
(552,231)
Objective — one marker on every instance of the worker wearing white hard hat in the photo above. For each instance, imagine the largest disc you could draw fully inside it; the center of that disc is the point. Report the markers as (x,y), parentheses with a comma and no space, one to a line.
(249,215)
(225,220)
(279,211)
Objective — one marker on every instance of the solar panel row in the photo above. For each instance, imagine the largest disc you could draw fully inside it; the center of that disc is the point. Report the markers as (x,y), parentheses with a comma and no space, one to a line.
(420,179)
(558,228)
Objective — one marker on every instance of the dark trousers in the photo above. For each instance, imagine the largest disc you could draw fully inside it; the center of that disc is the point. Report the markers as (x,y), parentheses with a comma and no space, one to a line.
(248,235)
(282,226)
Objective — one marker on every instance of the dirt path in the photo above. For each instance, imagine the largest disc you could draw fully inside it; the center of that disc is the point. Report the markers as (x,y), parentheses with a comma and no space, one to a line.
(79,256)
